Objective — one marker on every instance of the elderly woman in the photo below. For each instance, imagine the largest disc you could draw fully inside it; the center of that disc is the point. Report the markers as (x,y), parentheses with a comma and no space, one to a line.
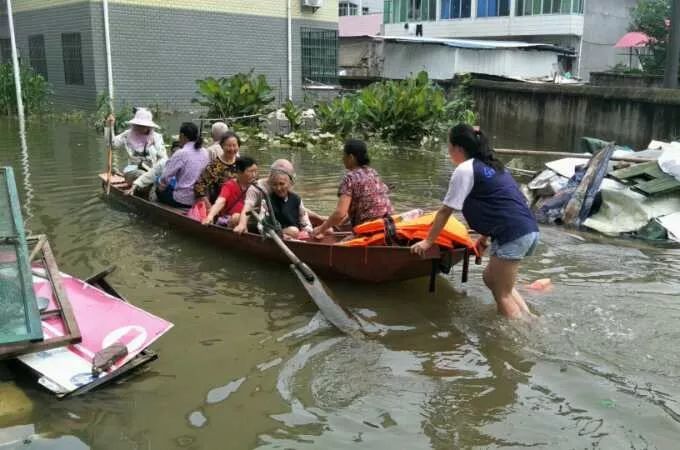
(288,208)
(144,146)
(176,187)
(219,170)
(362,194)
(229,203)
(218,130)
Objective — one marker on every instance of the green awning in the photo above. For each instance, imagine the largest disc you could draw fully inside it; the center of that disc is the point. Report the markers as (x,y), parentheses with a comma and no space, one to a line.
(19,315)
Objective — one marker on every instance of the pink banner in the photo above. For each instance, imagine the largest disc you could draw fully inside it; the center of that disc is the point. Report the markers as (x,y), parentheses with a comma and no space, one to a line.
(103,320)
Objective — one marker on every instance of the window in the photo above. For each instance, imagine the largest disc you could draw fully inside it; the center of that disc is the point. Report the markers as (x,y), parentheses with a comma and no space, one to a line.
(73,58)
(364,10)
(455,9)
(36,54)
(533,7)
(5,51)
(493,8)
(347,9)
(319,55)
(387,11)
(410,11)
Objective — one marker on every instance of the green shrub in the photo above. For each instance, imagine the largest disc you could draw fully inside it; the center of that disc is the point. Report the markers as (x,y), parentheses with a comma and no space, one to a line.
(35,91)
(123,114)
(239,95)
(397,111)
(293,114)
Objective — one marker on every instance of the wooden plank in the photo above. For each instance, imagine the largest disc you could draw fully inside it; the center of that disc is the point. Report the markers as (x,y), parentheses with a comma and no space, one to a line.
(634,171)
(516,152)
(54,276)
(146,356)
(658,186)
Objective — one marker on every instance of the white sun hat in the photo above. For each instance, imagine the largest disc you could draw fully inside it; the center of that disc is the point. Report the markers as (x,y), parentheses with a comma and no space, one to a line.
(143,118)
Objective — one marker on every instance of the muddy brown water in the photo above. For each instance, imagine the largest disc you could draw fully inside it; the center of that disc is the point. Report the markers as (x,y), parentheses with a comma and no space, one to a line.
(250,365)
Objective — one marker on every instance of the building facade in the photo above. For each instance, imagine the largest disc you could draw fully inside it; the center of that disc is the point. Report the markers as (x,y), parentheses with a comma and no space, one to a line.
(159,48)
(359,7)
(590,28)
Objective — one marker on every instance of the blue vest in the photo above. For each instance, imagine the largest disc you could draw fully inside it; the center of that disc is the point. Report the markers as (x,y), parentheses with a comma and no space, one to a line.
(495,207)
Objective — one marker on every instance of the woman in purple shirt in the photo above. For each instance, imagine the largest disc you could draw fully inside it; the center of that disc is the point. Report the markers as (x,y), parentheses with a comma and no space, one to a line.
(185,166)
(492,205)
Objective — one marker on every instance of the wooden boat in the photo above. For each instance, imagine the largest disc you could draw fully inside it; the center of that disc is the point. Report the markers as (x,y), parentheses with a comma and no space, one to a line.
(374,264)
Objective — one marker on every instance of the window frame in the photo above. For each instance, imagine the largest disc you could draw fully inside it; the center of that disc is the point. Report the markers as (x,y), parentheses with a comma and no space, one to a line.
(38,62)
(317,64)
(72,58)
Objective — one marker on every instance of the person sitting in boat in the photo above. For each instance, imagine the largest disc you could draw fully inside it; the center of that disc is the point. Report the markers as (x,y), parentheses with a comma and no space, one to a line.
(362,194)
(288,208)
(217,131)
(221,169)
(143,144)
(492,205)
(229,203)
(176,185)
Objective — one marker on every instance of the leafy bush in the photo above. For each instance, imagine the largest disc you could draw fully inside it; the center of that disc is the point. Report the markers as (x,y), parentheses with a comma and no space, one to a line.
(239,95)
(397,111)
(35,90)
(123,114)
(293,114)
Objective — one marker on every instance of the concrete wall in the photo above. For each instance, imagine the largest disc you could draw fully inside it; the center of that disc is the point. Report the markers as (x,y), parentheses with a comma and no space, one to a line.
(442,62)
(491,27)
(605,21)
(558,115)
(632,80)
(158,52)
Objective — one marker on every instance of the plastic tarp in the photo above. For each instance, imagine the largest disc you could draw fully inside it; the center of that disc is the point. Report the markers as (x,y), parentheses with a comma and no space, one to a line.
(669,161)
(671,223)
(626,211)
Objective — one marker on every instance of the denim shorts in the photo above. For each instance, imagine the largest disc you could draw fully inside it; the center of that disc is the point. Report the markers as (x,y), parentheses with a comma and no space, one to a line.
(515,250)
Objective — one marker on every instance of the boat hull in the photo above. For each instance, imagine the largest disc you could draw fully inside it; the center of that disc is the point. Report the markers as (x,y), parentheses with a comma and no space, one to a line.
(374,264)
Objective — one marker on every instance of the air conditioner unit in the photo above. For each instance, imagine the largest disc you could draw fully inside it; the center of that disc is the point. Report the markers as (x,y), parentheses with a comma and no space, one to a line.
(312,3)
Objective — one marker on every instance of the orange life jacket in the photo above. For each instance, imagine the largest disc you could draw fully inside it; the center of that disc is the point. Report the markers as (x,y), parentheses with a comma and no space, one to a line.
(373,232)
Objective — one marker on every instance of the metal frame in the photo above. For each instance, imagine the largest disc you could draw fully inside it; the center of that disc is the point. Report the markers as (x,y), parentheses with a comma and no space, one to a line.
(43,251)
(18,239)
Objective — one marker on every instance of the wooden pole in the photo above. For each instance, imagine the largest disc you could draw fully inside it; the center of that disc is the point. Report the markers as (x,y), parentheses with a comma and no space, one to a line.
(507,151)
(109,72)
(15,66)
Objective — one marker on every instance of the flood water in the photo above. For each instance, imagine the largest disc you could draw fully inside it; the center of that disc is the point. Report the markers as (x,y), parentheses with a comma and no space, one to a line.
(250,365)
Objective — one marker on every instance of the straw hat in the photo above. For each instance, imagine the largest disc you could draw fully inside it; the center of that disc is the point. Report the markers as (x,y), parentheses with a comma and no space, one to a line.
(143,118)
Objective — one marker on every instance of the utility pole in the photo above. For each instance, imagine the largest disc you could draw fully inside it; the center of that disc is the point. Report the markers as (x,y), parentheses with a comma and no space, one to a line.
(670,79)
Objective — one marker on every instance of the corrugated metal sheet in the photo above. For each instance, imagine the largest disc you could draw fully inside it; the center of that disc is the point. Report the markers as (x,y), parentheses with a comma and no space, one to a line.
(477,44)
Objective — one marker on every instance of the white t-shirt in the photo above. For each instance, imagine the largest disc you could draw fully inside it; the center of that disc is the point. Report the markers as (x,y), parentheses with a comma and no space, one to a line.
(460,186)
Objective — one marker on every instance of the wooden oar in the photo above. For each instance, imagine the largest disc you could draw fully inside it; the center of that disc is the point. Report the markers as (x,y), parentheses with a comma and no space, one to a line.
(342,319)
(333,312)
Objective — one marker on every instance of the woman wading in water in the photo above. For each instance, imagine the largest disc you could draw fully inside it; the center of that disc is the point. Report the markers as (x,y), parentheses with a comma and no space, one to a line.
(492,205)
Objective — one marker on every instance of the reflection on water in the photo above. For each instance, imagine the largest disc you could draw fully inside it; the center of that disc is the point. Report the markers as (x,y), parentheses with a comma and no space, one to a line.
(251,363)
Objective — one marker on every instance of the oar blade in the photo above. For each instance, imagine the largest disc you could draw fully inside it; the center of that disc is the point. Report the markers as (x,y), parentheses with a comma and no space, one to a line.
(333,312)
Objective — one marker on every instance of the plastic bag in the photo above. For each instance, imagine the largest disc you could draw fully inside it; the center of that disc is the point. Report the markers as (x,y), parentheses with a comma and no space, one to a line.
(198,212)
(669,161)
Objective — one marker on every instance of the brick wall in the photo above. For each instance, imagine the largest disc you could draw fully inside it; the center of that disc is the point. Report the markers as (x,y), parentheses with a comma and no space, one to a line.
(160,64)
